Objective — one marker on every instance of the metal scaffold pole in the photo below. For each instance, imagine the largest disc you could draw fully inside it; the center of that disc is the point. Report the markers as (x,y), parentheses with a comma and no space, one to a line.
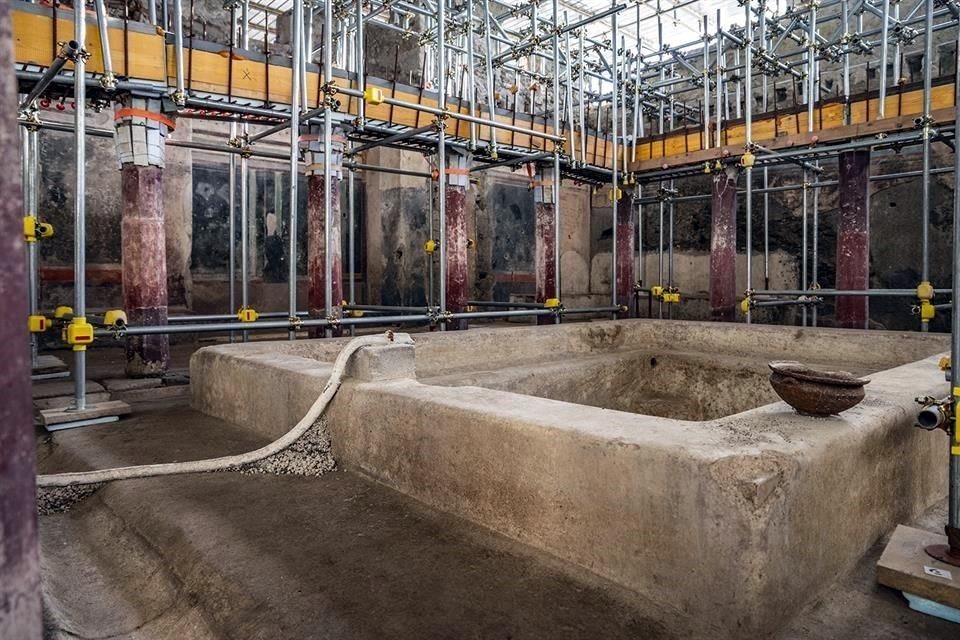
(614,179)
(748,144)
(79,205)
(328,212)
(556,155)
(296,17)
(29,153)
(927,142)
(442,153)
(953,498)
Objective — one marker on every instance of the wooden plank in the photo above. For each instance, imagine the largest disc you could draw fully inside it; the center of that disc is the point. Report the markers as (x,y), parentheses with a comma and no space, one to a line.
(905,566)
(53,417)
(862,130)
(33,42)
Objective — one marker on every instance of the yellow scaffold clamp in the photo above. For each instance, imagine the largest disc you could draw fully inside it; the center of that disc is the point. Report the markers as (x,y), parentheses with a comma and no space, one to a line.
(746,305)
(747,160)
(430,246)
(33,229)
(38,323)
(115,318)
(78,333)
(247,314)
(373,95)
(925,295)
(955,436)
(551,303)
(667,295)
(62,312)
(615,194)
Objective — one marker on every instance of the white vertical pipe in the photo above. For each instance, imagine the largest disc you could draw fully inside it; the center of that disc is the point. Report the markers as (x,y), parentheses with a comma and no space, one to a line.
(614,178)
(180,94)
(748,126)
(295,154)
(556,154)
(328,212)
(884,46)
(79,198)
(244,181)
(108,81)
(706,85)
(491,89)
(442,152)
(472,82)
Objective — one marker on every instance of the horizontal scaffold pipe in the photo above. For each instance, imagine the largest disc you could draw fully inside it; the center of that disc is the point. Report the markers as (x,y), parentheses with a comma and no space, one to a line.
(216,317)
(356,166)
(445,113)
(186,144)
(892,293)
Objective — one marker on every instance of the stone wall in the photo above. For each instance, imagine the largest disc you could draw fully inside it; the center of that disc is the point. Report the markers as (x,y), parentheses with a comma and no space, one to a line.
(393,214)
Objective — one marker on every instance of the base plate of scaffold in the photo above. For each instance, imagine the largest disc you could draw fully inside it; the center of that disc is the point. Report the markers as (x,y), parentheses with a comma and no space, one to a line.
(94,413)
(929,585)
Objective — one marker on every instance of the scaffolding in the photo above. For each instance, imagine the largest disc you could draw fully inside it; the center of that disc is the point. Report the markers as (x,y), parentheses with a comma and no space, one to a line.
(579,90)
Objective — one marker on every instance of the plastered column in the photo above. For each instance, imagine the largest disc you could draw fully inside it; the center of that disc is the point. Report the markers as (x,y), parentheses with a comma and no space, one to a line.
(317,222)
(457,187)
(723,245)
(545,246)
(140,136)
(625,238)
(20,599)
(853,238)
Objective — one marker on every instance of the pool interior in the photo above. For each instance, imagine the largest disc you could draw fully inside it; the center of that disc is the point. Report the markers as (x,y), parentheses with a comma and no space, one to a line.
(691,386)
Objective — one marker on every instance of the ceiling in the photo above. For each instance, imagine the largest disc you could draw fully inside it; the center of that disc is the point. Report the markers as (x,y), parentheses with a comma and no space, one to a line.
(682,20)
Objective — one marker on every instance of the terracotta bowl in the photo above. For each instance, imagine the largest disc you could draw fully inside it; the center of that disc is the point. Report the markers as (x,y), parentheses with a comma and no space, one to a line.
(815,393)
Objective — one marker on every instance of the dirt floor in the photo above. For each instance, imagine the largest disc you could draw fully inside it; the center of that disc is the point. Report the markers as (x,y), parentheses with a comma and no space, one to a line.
(240,556)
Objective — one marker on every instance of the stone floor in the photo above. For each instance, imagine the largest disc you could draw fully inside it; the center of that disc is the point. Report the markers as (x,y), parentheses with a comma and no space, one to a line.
(228,555)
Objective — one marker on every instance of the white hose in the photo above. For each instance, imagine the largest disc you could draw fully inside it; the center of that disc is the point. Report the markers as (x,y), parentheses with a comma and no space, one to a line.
(228,462)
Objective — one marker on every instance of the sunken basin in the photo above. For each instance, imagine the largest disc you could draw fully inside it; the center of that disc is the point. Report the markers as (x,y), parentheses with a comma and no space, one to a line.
(653,453)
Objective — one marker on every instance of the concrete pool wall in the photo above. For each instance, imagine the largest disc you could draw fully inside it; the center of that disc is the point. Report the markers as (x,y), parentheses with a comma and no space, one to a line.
(734,522)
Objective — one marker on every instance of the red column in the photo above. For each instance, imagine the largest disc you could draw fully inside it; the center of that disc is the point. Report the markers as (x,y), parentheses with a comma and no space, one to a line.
(317,220)
(625,237)
(853,239)
(141,132)
(457,287)
(144,256)
(723,245)
(20,603)
(545,246)
(316,252)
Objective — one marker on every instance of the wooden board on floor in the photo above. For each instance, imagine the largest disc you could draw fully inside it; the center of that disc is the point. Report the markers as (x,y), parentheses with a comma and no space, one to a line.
(905,566)
(110,408)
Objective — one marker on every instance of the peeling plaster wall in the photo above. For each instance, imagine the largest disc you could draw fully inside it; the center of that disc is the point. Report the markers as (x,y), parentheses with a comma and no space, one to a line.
(390,253)
(103,211)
